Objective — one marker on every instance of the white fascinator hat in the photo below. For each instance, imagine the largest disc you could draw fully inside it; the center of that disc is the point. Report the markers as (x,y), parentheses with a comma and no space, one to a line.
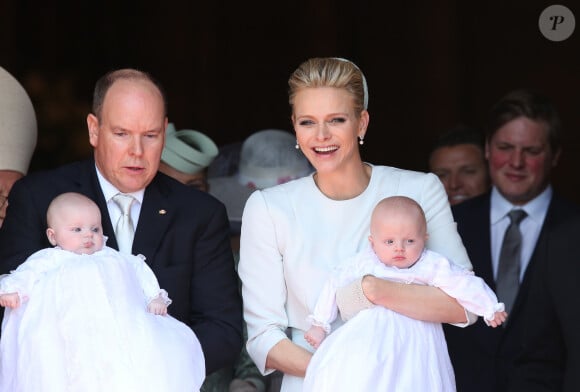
(267,158)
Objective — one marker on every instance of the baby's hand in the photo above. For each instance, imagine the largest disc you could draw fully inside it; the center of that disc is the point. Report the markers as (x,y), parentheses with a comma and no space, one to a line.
(157,306)
(498,319)
(10,300)
(315,335)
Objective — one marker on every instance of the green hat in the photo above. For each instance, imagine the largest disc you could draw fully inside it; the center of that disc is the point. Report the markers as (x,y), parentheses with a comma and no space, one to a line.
(187,151)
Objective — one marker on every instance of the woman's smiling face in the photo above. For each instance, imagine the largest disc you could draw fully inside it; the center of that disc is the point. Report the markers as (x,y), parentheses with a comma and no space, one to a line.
(327,127)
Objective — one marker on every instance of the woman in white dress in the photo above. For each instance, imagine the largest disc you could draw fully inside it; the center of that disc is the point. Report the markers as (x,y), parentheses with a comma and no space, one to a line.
(84,317)
(295,234)
(379,349)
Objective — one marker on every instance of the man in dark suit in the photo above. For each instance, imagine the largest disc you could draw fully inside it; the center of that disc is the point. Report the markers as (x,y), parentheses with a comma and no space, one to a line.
(551,343)
(522,147)
(182,232)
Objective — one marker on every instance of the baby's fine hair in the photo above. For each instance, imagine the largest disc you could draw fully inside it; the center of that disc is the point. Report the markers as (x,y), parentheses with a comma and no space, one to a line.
(399,203)
(67,199)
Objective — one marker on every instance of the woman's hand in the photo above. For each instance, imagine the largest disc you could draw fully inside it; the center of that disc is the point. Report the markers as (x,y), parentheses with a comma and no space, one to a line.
(289,358)
(419,302)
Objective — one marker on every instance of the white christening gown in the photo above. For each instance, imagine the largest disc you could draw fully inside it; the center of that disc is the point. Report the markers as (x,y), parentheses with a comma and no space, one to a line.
(83,326)
(379,350)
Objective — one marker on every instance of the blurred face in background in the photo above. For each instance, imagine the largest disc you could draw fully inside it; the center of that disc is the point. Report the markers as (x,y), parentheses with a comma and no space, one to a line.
(197,180)
(462,169)
(7,179)
(521,159)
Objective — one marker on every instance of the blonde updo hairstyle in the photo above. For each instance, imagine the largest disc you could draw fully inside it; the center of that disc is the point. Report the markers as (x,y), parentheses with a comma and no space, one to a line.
(330,72)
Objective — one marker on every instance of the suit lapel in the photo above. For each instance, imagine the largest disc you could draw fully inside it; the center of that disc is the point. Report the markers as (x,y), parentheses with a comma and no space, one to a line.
(154,219)
(473,227)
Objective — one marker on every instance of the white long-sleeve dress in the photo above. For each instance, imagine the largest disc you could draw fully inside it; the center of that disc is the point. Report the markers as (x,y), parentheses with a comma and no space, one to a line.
(293,236)
(83,325)
(382,350)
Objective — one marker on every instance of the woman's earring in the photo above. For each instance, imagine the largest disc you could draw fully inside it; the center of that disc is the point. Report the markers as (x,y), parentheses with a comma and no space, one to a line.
(297,146)
(361,141)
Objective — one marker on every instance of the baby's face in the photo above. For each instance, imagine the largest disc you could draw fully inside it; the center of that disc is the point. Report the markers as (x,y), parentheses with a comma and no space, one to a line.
(398,240)
(79,230)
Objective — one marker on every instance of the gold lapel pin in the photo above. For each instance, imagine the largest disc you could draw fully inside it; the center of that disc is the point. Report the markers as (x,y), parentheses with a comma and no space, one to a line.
(162,212)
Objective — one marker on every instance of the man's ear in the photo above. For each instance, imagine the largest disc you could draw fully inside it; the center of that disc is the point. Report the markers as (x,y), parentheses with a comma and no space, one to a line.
(93,127)
(51,236)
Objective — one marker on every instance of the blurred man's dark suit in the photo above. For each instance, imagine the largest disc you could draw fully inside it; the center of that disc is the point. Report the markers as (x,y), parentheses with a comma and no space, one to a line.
(483,357)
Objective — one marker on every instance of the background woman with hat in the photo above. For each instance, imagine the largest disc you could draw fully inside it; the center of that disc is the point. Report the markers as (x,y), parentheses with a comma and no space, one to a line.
(186,156)
(17,135)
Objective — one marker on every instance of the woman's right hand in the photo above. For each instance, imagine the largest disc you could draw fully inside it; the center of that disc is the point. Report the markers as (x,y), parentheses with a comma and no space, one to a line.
(351,299)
